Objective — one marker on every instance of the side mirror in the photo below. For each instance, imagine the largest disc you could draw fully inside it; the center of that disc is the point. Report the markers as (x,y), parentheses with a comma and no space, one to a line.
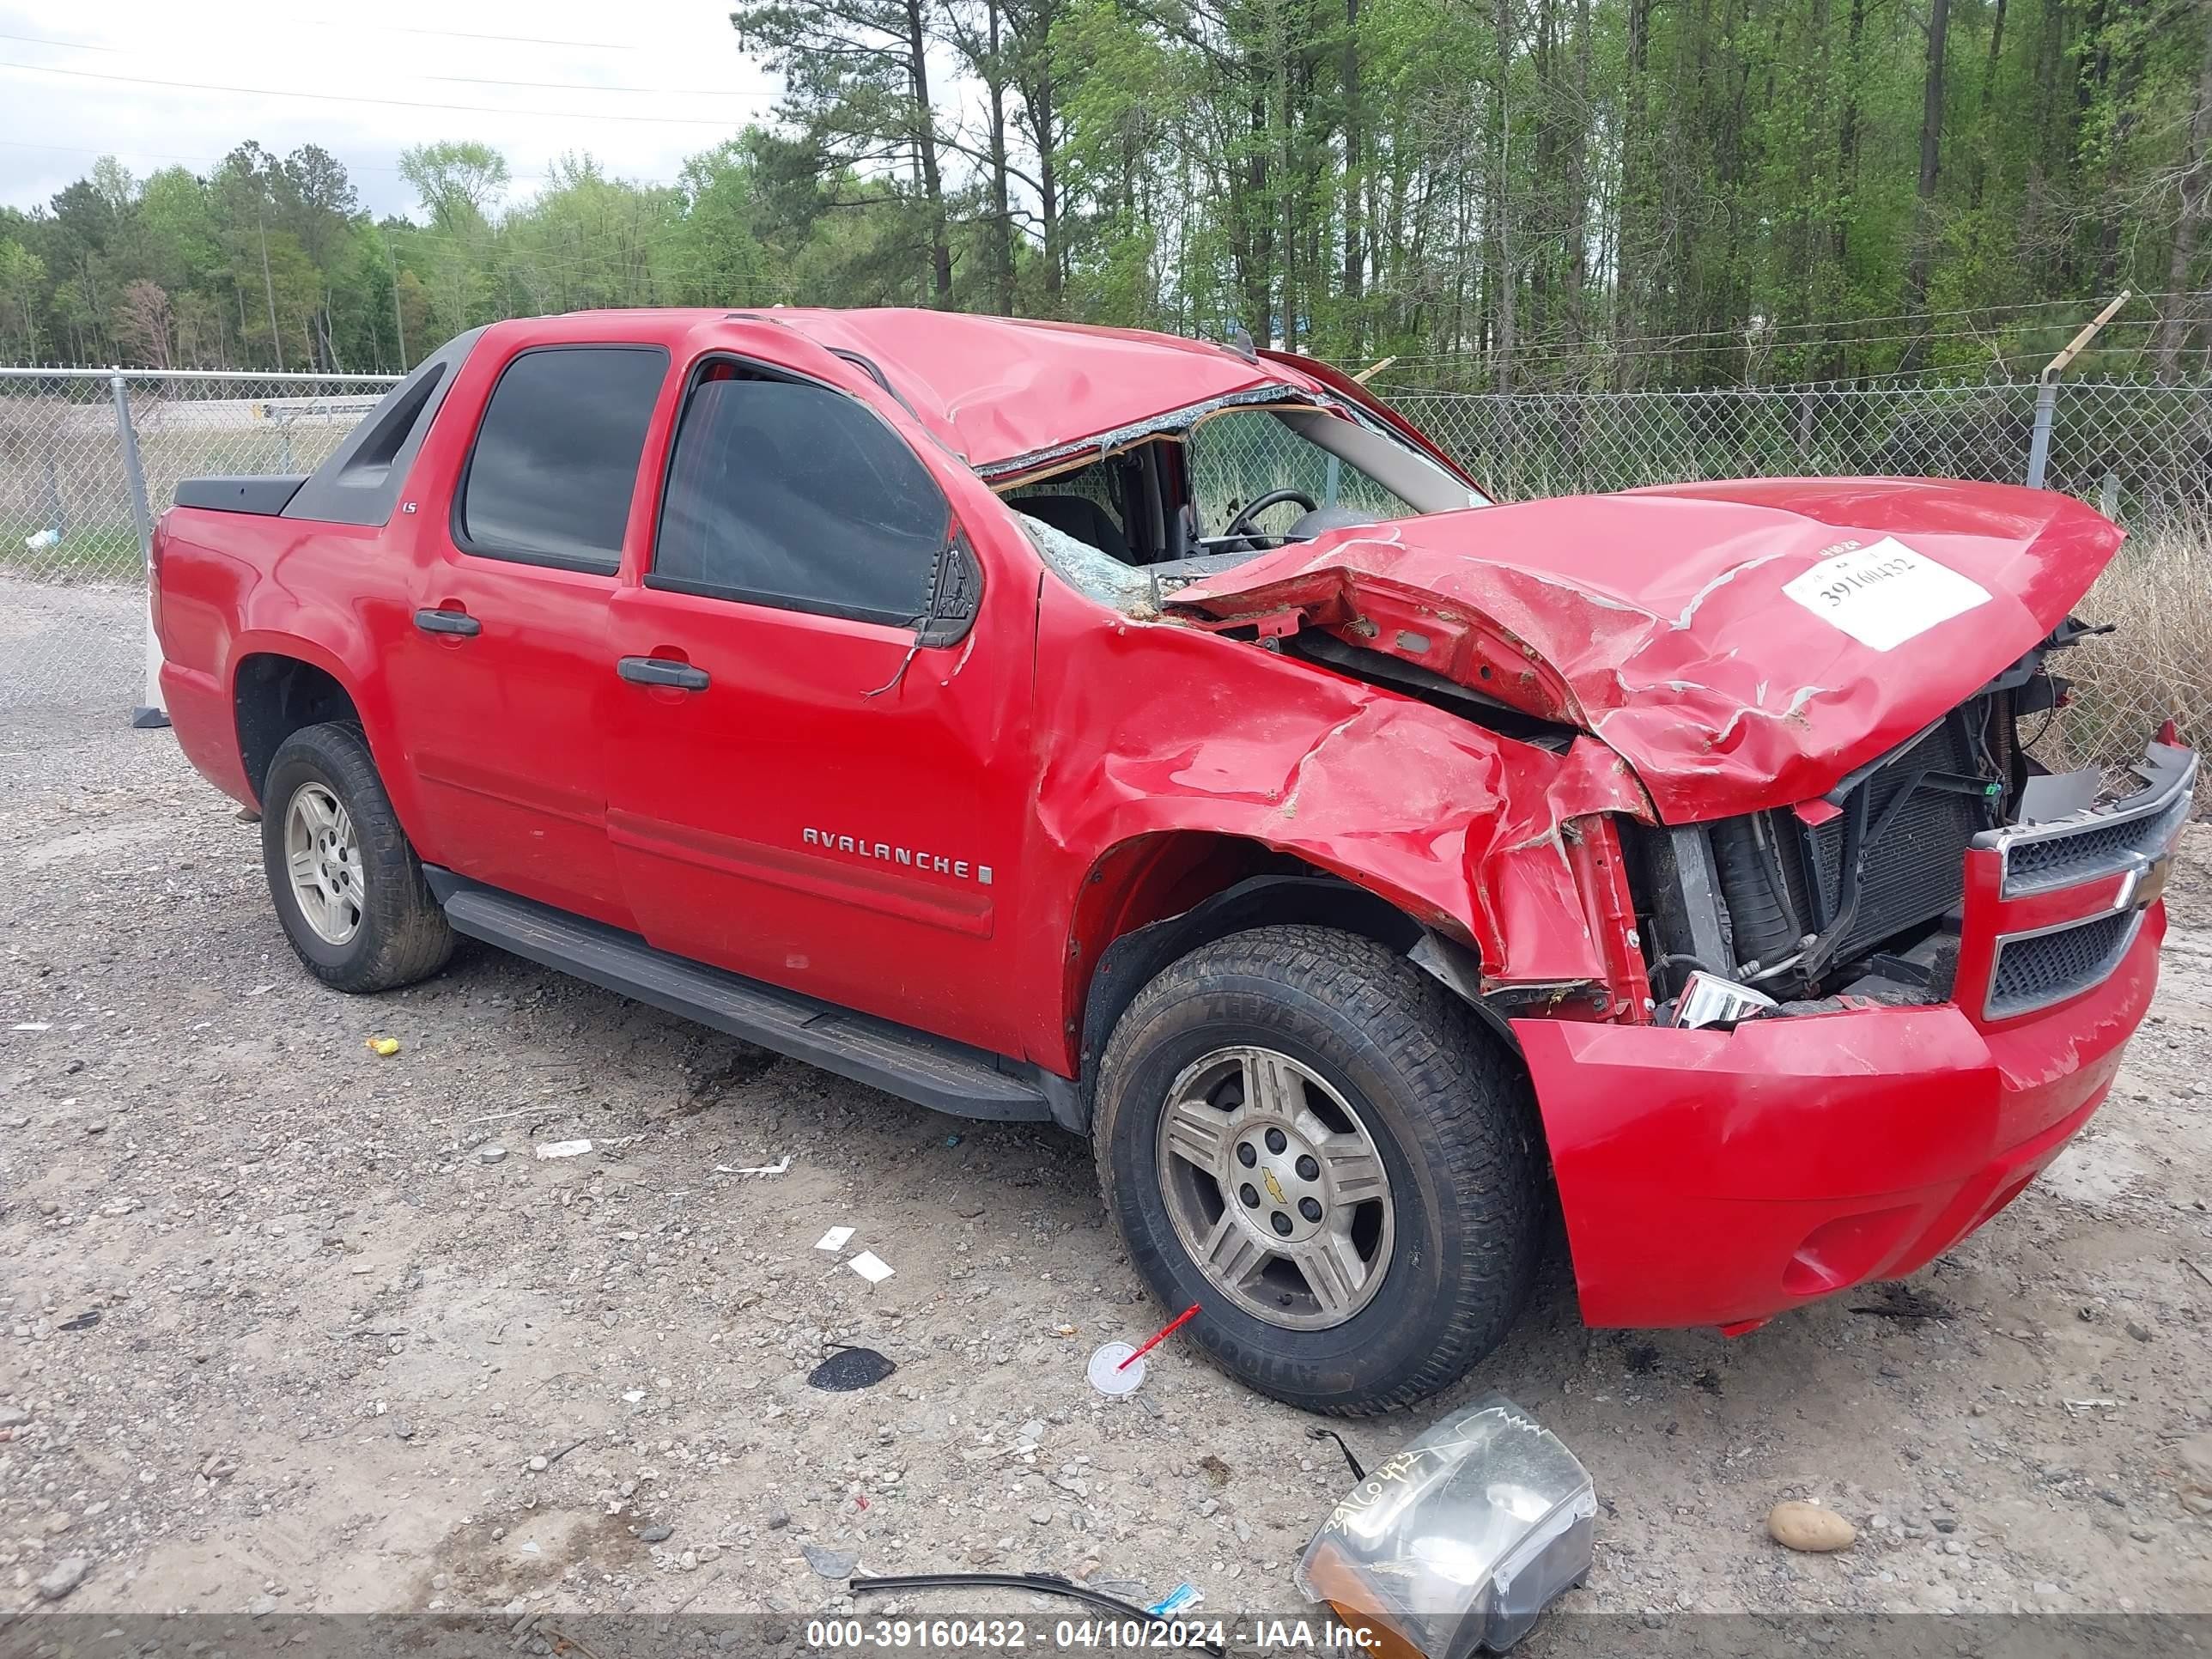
(956,593)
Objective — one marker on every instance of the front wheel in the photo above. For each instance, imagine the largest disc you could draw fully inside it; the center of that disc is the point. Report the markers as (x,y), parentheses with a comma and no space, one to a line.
(1303,1133)
(347,886)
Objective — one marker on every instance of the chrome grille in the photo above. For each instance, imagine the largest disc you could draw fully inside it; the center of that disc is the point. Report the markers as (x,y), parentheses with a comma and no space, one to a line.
(2034,970)
(2128,835)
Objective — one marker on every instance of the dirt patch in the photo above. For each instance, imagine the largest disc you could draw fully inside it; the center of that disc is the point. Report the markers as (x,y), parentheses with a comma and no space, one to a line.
(334,1331)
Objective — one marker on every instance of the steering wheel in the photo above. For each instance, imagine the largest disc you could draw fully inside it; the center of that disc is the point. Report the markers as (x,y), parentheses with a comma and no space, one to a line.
(1240,527)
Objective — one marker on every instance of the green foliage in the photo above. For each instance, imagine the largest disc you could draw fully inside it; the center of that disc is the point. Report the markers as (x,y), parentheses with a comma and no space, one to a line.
(1524,194)
(456,182)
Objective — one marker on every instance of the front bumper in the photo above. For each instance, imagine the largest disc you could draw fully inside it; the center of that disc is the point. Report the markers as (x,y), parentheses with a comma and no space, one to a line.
(1714,1177)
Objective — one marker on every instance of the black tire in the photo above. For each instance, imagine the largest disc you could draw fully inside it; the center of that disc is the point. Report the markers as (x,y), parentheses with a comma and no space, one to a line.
(1447,1108)
(402,935)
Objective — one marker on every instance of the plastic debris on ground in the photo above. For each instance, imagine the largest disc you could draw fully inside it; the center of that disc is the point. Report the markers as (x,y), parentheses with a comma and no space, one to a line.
(835,1240)
(871,1267)
(563,1148)
(1108,1373)
(1117,1369)
(830,1564)
(1182,1597)
(1458,1542)
(850,1370)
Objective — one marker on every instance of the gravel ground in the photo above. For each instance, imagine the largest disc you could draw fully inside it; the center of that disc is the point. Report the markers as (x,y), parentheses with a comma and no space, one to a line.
(286,1325)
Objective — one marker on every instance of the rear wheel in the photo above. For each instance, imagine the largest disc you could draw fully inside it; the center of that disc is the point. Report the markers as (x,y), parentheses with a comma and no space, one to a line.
(1303,1133)
(347,886)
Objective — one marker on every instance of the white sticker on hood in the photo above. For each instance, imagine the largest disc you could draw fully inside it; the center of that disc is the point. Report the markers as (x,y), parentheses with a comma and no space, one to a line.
(1884,594)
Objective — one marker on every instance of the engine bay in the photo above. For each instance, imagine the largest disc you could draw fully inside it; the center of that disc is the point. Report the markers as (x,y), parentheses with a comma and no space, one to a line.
(1858,894)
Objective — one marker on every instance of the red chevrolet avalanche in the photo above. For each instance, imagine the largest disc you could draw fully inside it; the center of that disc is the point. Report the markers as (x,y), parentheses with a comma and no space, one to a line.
(1171,743)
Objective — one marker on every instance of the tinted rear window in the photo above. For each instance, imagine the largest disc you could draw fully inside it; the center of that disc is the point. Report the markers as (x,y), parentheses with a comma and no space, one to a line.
(555,458)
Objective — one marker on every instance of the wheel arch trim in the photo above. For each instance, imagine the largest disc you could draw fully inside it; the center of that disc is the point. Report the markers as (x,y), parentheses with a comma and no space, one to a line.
(1138,955)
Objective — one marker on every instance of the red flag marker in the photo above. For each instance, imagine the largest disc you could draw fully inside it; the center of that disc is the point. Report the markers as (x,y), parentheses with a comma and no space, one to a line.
(1166,1331)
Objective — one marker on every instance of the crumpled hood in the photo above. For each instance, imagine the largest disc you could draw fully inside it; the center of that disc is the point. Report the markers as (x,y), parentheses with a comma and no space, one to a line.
(1740,645)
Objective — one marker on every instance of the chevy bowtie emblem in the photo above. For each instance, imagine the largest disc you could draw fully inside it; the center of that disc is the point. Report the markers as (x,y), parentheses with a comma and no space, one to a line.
(1275,1186)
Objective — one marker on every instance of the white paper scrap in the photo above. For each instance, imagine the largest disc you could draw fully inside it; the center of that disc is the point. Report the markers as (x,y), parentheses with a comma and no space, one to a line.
(563,1148)
(871,1267)
(776,1167)
(834,1239)
(1885,594)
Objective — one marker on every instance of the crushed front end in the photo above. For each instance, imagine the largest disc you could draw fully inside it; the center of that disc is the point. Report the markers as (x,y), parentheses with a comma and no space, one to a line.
(1941,962)
(1854,965)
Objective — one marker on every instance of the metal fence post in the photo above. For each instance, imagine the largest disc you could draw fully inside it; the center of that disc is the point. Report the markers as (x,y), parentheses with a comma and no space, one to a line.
(149,714)
(2039,443)
(2046,388)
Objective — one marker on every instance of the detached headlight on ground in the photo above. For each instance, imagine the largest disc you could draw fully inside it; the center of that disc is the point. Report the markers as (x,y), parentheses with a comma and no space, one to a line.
(1459,1541)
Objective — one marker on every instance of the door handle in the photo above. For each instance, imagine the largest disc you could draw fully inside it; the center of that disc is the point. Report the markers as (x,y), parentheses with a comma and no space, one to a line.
(659,670)
(448,622)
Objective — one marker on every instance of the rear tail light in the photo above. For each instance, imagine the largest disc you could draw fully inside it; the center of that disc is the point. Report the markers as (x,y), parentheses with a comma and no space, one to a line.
(155,548)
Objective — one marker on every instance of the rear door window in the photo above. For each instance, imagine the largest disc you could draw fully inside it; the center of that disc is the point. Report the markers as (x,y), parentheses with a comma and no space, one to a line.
(554,465)
(784,493)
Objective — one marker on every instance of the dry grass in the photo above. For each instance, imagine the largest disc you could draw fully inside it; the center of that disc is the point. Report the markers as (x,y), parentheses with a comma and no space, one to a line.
(2157,663)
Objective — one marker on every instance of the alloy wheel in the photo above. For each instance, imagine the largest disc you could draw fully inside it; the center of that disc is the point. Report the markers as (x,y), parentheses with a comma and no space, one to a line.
(322,855)
(1276,1187)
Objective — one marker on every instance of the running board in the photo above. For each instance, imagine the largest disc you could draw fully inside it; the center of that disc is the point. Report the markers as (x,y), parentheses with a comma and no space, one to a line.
(947,1077)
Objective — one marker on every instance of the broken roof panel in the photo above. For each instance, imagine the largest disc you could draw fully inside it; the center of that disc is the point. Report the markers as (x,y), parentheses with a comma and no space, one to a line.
(995,388)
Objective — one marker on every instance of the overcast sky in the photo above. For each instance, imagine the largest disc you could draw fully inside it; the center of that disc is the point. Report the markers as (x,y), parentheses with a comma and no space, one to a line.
(157,82)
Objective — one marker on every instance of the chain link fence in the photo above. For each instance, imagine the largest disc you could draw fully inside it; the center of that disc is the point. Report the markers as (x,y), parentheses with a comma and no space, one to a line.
(80,451)
(77,446)
(2139,452)
(2142,453)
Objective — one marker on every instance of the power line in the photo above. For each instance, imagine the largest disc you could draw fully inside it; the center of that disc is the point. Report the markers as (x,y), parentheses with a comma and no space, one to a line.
(722,123)
(352,27)
(1603,351)
(1681,343)
(585,86)
(464,34)
(460,79)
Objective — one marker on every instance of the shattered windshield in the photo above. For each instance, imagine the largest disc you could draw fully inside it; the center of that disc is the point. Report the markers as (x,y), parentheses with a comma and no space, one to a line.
(1186,496)
(1241,457)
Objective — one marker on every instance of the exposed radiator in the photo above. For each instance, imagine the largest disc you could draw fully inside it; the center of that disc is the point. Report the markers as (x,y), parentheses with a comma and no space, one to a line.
(1917,813)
